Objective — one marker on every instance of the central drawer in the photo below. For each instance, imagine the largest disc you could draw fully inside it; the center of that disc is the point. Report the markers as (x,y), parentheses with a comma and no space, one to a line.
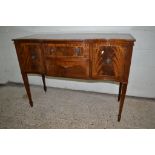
(67,67)
(75,49)
(70,60)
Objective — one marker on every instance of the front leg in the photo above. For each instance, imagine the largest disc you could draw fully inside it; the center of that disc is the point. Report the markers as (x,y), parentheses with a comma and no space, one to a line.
(122,98)
(44,83)
(27,87)
(120,90)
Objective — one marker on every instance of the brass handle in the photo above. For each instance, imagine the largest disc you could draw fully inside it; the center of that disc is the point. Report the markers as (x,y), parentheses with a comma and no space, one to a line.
(77,50)
(33,57)
(52,50)
(66,67)
(108,61)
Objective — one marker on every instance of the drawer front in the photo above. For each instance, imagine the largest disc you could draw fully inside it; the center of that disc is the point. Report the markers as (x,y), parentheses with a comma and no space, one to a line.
(67,59)
(108,62)
(31,59)
(69,68)
(67,49)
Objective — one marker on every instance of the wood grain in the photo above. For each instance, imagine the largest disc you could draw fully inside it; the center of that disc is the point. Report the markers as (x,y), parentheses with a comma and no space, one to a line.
(103,57)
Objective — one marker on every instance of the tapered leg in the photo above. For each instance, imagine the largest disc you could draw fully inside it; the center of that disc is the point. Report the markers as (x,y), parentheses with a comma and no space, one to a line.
(44,83)
(124,88)
(27,87)
(120,89)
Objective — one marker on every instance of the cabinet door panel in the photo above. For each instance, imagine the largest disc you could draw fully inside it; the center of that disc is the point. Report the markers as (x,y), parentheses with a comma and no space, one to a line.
(31,57)
(108,61)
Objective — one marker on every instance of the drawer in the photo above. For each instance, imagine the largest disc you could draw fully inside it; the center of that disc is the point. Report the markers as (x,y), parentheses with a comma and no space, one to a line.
(74,68)
(66,49)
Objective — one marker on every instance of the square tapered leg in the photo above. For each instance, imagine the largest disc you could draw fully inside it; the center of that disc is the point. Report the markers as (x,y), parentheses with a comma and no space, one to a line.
(122,98)
(27,87)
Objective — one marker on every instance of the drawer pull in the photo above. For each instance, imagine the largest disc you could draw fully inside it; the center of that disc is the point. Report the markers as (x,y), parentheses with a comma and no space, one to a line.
(52,50)
(108,61)
(77,50)
(66,67)
(33,57)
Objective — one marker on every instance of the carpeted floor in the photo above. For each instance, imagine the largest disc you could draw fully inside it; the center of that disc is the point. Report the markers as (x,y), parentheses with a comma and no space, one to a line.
(60,108)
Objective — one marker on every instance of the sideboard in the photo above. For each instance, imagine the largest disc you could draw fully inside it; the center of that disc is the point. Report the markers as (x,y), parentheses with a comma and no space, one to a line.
(79,56)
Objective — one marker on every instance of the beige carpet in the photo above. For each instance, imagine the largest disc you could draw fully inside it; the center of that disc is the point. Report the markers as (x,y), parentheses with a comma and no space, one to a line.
(60,108)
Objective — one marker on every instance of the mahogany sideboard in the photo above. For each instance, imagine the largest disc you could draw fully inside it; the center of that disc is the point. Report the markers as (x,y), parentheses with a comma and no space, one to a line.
(79,56)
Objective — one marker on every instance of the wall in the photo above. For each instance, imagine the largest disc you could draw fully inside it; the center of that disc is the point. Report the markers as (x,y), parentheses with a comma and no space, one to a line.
(142,76)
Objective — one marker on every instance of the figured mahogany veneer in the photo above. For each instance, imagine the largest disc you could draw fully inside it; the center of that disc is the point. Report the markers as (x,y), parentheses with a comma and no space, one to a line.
(79,56)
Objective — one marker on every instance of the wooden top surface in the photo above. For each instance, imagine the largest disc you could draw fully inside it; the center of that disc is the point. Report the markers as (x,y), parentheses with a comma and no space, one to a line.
(79,36)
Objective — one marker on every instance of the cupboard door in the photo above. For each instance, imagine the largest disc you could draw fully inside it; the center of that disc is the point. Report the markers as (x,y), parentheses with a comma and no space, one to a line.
(31,57)
(108,62)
